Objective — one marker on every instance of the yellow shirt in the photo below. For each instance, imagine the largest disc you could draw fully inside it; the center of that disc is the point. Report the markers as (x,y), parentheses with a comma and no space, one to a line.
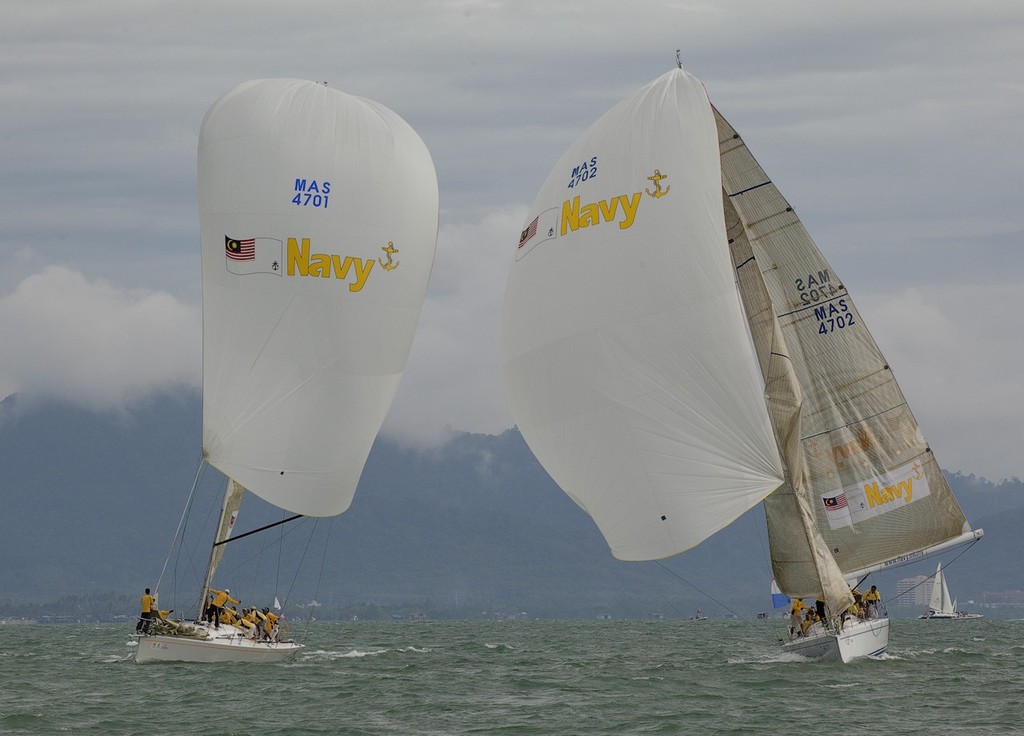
(221,598)
(147,603)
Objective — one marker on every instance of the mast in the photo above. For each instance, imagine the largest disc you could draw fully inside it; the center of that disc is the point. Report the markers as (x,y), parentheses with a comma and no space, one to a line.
(233,495)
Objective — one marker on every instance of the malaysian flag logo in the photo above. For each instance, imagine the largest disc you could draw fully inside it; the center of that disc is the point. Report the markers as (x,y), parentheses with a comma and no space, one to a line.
(543,227)
(529,232)
(240,250)
(244,256)
(834,503)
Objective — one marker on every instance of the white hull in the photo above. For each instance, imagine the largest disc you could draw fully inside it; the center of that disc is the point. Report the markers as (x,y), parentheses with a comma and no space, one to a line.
(226,644)
(855,641)
(952,616)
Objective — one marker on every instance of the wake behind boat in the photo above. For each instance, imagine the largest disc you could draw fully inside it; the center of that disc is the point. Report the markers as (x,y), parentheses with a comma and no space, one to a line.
(318,224)
(677,350)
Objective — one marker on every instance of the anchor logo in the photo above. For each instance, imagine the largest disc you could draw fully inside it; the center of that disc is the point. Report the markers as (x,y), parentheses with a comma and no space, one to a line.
(390,250)
(658,191)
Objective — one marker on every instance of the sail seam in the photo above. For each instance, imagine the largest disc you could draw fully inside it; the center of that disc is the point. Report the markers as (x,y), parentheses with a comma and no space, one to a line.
(861,420)
(843,295)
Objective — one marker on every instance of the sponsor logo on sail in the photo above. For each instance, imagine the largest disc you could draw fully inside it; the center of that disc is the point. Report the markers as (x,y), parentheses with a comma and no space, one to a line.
(296,258)
(301,261)
(875,496)
(621,209)
(575,214)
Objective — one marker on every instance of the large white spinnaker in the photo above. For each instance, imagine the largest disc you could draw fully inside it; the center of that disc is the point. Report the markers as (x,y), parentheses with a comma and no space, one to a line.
(318,218)
(627,364)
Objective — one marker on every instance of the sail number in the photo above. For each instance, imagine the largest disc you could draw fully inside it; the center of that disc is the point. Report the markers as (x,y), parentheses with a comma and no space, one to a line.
(584,172)
(816,286)
(311,193)
(833,316)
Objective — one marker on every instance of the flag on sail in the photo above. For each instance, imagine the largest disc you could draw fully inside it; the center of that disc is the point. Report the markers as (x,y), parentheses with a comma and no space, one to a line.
(543,227)
(244,256)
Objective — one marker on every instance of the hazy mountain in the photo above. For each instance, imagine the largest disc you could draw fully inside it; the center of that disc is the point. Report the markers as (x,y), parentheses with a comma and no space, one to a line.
(91,502)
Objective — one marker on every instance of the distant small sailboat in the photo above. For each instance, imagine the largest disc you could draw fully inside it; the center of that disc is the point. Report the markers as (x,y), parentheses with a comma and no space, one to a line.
(940,606)
(306,197)
(677,350)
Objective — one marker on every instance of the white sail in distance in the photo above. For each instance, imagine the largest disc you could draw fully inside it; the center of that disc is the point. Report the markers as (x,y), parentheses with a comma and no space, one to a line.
(318,220)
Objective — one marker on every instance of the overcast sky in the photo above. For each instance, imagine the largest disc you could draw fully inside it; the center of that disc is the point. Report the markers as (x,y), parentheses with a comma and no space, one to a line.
(894,129)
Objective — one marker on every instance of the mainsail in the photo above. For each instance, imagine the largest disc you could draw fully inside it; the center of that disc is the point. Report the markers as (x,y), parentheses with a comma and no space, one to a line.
(318,217)
(677,349)
(862,466)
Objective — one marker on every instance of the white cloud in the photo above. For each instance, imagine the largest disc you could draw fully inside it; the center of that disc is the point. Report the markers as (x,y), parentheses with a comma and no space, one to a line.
(891,128)
(453,376)
(95,344)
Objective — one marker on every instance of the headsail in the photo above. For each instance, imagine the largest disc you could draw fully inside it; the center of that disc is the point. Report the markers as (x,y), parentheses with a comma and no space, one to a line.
(318,218)
(626,360)
(233,495)
(874,488)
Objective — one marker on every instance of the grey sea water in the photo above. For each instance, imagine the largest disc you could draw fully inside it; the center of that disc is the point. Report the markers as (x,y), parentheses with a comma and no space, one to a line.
(521,677)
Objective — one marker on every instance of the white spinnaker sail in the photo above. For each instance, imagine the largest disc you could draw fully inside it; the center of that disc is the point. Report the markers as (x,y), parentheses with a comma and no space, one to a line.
(626,360)
(873,485)
(318,219)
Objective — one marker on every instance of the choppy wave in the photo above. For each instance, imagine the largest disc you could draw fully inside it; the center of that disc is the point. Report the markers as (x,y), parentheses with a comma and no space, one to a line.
(538,678)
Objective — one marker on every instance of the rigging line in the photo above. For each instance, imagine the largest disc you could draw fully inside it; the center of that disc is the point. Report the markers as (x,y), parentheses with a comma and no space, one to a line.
(280,554)
(181,523)
(258,554)
(960,554)
(319,577)
(298,567)
(707,595)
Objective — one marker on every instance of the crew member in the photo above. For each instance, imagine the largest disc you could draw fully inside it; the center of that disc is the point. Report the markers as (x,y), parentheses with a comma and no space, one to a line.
(148,604)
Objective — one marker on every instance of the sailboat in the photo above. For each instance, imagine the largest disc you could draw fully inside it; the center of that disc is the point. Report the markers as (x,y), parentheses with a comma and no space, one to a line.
(940,606)
(676,350)
(318,226)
